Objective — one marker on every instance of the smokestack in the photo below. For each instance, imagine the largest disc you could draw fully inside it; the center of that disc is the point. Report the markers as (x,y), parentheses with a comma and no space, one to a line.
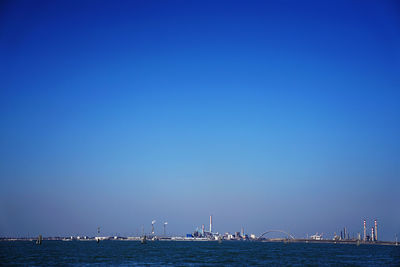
(376,230)
(365,230)
(152,226)
(202,230)
(210,223)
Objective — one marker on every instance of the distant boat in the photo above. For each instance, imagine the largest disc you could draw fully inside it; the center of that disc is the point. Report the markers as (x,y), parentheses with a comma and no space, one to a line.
(144,239)
(39,240)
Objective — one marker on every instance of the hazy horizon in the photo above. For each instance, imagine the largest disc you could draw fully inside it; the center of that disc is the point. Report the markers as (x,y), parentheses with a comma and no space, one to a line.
(267,115)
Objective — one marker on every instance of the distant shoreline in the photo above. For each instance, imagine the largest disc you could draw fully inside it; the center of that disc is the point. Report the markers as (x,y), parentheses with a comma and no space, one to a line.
(182,239)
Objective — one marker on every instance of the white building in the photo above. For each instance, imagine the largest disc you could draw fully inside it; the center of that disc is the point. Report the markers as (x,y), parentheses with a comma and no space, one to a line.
(316,237)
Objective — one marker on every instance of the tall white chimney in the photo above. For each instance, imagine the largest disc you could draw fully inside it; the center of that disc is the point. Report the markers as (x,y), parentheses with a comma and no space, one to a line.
(210,223)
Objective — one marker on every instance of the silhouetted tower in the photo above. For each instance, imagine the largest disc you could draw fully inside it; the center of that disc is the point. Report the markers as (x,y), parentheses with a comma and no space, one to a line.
(376,230)
(98,235)
(372,234)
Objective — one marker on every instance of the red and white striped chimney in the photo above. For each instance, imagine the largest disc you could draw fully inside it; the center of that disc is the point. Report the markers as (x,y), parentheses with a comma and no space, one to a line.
(365,230)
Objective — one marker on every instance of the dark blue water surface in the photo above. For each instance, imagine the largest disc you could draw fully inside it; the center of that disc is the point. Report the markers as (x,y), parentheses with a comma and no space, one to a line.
(194,253)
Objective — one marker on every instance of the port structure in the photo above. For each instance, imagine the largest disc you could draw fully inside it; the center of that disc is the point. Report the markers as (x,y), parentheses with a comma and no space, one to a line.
(276,231)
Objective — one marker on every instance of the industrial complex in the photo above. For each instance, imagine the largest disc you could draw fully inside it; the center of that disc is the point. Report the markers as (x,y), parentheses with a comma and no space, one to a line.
(203,234)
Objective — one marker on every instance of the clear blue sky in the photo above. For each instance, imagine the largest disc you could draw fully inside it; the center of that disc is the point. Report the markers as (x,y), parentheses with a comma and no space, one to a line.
(266,114)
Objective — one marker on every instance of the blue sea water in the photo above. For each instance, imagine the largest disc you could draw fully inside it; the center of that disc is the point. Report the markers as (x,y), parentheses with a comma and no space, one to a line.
(160,253)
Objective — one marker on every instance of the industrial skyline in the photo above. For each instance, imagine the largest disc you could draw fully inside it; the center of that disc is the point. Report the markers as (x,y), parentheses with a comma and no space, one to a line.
(201,234)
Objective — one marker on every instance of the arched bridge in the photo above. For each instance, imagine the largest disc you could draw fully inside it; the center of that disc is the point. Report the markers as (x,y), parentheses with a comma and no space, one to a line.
(276,231)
